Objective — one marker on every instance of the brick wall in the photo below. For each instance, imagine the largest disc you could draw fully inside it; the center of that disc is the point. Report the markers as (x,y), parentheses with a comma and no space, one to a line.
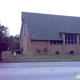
(53,48)
(38,44)
(42,44)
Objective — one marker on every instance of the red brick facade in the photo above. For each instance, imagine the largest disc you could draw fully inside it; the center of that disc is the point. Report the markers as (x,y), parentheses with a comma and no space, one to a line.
(33,44)
(38,29)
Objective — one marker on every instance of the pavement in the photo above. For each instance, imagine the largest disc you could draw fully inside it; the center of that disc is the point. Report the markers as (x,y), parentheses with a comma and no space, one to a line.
(39,71)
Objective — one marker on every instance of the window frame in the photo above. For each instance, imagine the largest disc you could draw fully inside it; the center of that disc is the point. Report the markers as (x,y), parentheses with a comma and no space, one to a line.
(70,39)
(79,39)
(55,42)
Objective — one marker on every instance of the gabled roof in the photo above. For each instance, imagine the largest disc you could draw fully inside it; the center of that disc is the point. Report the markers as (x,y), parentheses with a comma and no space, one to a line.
(49,27)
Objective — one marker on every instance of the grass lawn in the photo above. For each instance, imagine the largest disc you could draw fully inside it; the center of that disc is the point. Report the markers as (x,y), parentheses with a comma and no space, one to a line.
(8,56)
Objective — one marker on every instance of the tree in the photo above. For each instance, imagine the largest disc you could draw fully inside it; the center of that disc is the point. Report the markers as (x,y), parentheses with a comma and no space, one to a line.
(17,41)
(3,39)
(14,42)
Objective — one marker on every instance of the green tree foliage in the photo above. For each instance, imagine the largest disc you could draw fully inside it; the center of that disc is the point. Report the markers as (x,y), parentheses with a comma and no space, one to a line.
(3,39)
(14,42)
(17,40)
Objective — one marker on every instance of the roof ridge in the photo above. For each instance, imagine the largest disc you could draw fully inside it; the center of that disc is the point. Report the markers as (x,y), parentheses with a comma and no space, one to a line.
(51,14)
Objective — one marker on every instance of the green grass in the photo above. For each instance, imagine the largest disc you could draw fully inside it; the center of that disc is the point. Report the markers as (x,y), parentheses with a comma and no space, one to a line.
(7,56)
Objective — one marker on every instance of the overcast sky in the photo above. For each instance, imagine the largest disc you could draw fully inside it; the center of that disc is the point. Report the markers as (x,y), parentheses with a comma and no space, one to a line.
(10,10)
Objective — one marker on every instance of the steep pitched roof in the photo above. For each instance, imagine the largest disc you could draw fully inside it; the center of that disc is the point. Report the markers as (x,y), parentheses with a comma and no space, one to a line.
(49,27)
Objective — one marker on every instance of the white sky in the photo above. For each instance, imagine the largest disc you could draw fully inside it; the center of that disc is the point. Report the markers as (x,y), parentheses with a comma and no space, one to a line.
(10,10)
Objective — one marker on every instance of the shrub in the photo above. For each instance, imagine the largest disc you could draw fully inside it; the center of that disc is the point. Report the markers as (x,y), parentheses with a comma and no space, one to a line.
(57,52)
(21,49)
(45,49)
(72,52)
(38,50)
(12,52)
(18,51)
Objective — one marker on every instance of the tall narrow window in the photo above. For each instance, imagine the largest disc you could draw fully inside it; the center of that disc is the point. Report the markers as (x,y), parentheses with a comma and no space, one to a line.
(79,39)
(28,43)
(70,39)
(24,30)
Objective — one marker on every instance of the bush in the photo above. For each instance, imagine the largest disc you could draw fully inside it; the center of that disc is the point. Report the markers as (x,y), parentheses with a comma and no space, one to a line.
(57,52)
(38,50)
(45,49)
(12,52)
(72,52)
(18,51)
(21,49)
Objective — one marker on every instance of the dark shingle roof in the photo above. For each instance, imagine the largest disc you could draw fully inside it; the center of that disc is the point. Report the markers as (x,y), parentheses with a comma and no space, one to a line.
(49,27)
